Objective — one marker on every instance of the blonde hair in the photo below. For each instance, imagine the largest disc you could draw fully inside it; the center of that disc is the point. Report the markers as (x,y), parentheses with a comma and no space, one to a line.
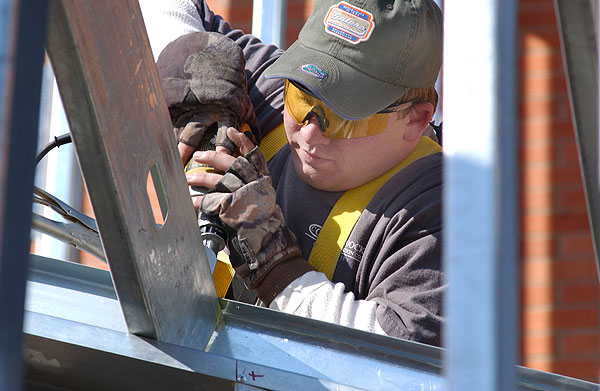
(418,95)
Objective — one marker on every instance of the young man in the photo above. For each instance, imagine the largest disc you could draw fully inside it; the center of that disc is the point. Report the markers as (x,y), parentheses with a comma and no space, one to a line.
(357,239)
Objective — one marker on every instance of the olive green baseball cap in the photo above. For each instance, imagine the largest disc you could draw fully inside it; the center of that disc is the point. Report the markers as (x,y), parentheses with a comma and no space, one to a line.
(359,56)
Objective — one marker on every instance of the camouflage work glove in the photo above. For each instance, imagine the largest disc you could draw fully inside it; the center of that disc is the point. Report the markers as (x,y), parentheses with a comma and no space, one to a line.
(204,83)
(263,251)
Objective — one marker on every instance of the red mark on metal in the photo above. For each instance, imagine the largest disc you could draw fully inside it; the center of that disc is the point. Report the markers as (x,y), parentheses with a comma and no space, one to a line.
(251,374)
(254,376)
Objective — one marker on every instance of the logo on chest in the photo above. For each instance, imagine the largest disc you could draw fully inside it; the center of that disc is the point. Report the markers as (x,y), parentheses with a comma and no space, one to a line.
(313,231)
(353,250)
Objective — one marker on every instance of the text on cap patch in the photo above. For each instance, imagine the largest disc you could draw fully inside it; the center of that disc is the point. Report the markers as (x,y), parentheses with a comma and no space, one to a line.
(349,23)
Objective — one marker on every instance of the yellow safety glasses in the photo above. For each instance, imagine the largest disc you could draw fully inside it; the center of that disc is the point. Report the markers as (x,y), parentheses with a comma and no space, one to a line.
(300,104)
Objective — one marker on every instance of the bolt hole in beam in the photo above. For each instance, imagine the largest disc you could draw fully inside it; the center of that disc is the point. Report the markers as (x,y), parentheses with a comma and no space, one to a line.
(157,195)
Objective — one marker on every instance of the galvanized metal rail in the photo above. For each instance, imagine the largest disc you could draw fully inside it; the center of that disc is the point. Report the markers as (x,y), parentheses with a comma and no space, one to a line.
(75,336)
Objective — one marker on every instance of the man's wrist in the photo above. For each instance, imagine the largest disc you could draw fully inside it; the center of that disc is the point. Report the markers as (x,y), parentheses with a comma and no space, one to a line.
(280,276)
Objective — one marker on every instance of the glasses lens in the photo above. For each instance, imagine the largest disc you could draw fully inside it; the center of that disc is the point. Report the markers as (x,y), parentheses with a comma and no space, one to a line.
(301,106)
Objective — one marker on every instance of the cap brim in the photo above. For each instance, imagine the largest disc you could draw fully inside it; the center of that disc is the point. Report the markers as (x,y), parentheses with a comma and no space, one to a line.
(347,91)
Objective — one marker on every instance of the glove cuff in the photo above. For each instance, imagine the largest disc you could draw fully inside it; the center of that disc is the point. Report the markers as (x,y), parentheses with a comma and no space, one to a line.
(280,276)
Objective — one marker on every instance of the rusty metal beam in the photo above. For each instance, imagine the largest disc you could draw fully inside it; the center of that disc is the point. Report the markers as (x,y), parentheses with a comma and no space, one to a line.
(121,129)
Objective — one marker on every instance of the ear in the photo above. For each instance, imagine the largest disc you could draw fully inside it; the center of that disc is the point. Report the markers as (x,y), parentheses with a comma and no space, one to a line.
(417,120)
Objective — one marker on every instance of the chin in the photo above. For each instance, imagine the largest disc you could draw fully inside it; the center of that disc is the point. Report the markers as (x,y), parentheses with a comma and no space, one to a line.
(316,179)
(321,185)
(321,181)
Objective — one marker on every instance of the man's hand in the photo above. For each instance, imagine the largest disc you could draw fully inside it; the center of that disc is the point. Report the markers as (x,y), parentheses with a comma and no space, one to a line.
(220,160)
(189,135)
(244,202)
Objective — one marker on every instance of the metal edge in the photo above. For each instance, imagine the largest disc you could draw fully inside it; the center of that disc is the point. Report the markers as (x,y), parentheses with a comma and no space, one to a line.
(578,42)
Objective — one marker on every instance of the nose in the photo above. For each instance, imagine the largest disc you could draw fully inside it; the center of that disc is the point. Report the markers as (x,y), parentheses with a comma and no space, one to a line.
(313,134)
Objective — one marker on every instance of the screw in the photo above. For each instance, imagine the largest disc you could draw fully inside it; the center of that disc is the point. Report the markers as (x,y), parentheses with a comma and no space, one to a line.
(241,379)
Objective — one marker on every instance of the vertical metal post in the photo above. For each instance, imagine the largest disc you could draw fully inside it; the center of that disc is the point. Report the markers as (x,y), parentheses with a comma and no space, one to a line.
(122,131)
(23,28)
(268,21)
(480,195)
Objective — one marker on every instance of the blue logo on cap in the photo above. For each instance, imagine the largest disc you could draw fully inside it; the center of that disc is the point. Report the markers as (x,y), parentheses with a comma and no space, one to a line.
(313,70)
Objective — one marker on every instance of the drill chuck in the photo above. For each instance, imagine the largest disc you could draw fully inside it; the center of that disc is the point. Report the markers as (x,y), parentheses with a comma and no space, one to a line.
(213,235)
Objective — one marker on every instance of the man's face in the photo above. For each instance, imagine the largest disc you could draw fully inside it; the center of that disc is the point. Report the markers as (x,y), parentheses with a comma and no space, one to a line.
(342,164)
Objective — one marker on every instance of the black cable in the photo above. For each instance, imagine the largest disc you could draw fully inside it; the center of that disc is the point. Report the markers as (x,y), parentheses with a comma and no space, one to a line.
(437,129)
(58,141)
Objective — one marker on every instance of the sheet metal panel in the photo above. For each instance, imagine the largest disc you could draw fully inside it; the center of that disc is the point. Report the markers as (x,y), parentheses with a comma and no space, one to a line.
(121,129)
(22,34)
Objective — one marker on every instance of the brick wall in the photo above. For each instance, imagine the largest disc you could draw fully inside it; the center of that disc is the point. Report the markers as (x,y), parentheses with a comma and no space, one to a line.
(560,293)
(297,13)
(237,12)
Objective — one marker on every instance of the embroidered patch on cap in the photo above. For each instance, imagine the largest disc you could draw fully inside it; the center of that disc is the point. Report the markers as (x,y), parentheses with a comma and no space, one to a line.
(349,22)
(313,70)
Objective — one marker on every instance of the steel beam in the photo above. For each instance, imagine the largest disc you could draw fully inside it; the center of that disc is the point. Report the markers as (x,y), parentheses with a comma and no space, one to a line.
(22,34)
(121,129)
(480,222)
(578,40)
(75,335)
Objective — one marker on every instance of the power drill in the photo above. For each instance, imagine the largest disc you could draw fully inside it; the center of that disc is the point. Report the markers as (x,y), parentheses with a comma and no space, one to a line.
(213,235)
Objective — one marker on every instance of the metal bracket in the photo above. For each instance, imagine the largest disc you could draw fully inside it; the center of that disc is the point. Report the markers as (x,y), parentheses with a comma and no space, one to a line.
(121,129)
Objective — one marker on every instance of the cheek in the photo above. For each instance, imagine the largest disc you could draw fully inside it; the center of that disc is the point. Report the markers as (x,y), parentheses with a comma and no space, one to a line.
(289,125)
